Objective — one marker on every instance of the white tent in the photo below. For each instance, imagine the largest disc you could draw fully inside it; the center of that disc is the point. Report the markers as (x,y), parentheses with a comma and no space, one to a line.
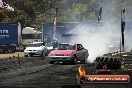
(29,30)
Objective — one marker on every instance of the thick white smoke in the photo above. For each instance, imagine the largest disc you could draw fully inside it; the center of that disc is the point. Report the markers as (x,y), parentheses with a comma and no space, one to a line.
(97,39)
(94,39)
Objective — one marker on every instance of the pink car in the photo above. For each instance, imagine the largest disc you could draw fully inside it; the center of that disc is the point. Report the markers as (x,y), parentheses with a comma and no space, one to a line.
(69,52)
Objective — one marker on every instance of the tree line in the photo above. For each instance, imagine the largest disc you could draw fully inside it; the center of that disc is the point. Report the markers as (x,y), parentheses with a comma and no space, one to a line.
(35,12)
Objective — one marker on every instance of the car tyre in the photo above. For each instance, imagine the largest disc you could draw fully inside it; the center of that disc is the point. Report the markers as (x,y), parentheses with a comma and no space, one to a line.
(51,62)
(74,60)
(26,55)
(31,55)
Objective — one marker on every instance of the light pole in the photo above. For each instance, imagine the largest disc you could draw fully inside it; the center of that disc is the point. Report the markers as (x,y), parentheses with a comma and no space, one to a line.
(54,27)
(122,26)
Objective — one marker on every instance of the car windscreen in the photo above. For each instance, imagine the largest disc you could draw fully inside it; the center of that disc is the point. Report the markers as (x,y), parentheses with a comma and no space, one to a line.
(35,45)
(66,47)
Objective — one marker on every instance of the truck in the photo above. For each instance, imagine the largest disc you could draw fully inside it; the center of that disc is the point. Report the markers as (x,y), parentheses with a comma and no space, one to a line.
(10,37)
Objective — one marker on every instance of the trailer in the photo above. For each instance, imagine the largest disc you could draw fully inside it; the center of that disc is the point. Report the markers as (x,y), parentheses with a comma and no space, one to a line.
(65,31)
(62,31)
(10,37)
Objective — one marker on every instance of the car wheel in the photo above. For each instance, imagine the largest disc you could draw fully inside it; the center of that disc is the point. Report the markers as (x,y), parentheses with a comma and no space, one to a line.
(26,55)
(31,55)
(74,60)
(9,51)
(51,62)
(13,51)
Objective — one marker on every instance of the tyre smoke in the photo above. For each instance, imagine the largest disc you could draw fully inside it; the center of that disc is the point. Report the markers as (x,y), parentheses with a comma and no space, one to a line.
(98,38)
(97,41)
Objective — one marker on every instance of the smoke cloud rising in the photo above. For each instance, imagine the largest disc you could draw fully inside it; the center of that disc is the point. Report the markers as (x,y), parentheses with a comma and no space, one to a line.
(97,38)
(104,37)
(94,39)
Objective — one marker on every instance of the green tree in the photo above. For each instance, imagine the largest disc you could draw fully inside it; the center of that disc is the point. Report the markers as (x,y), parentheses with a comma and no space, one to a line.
(35,12)
(80,12)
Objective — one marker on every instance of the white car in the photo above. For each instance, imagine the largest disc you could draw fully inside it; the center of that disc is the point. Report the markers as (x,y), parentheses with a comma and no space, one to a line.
(37,48)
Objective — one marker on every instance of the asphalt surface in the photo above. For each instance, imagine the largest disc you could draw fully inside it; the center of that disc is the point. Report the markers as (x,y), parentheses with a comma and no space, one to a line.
(36,72)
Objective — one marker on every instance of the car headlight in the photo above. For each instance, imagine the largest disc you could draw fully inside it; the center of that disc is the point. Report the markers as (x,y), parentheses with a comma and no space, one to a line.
(26,50)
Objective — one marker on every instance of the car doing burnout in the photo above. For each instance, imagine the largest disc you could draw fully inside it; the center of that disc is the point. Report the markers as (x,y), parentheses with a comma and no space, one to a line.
(68,52)
(37,48)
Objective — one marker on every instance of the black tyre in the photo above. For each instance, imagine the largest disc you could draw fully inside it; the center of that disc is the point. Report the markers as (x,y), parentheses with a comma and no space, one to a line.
(74,59)
(31,55)
(11,48)
(26,55)
(51,62)
(14,50)
(9,51)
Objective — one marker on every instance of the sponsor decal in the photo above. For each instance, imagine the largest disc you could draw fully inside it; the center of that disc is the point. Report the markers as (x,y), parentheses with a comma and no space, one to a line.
(107,78)
(83,78)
